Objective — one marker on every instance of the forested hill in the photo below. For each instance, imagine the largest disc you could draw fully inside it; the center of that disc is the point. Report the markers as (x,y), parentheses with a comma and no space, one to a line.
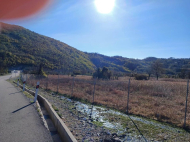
(23,49)
(120,64)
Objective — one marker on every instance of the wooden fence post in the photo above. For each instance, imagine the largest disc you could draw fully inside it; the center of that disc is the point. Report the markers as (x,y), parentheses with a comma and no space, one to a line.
(73,85)
(58,84)
(94,89)
(47,81)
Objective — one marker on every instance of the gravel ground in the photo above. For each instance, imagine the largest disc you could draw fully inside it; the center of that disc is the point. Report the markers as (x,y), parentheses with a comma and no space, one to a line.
(81,125)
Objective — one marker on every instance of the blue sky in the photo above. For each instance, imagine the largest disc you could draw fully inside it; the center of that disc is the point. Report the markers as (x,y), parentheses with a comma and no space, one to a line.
(134,29)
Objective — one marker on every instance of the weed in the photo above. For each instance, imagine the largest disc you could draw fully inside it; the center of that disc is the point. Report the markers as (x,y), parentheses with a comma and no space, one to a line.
(38,110)
(97,123)
(55,108)
(60,115)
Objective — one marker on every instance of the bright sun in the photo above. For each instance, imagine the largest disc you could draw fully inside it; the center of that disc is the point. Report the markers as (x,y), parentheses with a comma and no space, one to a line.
(104,6)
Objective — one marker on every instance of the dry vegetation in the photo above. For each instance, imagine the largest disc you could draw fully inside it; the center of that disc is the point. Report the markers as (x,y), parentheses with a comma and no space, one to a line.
(162,100)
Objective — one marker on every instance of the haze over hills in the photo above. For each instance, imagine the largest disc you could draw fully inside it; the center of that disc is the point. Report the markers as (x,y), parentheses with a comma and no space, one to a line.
(23,49)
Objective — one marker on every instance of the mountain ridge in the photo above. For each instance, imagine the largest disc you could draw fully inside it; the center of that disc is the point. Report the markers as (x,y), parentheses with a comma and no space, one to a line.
(24,49)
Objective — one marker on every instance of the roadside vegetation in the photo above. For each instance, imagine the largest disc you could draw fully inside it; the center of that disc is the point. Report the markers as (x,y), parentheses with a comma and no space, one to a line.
(162,100)
(130,124)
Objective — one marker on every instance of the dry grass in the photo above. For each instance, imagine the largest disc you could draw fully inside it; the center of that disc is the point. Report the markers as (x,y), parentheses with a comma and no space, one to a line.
(162,100)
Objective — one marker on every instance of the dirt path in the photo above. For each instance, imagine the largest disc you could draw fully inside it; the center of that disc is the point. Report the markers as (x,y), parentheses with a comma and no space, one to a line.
(19,121)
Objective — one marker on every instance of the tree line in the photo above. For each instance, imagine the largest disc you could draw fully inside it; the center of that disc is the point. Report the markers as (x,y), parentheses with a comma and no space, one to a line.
(157,69)
(103,73)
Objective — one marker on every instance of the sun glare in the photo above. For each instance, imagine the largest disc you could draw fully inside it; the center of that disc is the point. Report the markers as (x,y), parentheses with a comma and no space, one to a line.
(104,6)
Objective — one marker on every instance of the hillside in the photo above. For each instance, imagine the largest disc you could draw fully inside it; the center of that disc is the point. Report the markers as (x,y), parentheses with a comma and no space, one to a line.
(23,49)
(120,64)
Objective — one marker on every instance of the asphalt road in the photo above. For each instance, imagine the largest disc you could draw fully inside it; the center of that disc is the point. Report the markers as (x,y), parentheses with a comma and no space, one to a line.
(19,121)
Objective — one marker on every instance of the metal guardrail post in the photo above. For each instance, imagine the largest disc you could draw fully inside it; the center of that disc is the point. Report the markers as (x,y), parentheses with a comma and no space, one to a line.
(184,125)
(128,96)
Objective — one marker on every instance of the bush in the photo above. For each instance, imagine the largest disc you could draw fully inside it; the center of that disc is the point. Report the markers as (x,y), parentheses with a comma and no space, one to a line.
(140,77)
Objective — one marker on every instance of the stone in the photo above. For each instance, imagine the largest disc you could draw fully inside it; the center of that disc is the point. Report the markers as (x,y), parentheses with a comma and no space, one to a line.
(114,135)
(117,140)
(108,140)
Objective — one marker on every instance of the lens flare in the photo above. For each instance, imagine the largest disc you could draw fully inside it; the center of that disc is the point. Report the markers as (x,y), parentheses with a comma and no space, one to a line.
(16,9)
(0,27)
(104,6)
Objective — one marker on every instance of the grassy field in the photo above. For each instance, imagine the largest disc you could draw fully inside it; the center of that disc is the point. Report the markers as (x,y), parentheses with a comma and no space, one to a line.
(162,100)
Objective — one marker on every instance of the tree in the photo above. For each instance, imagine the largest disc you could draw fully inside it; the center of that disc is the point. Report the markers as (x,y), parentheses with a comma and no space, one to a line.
(157,68)
(41,71)
(149,72)
(188,74)
(76,73)
(104,73)
(132,66)
(99,74)
(140,77)
(109,75)
(3,67)
(184,73)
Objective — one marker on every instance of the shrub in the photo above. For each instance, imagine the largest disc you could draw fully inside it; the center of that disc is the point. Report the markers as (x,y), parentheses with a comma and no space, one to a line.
(140,77)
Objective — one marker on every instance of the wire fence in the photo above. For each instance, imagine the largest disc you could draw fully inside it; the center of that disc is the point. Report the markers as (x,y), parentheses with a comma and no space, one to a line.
(163,100)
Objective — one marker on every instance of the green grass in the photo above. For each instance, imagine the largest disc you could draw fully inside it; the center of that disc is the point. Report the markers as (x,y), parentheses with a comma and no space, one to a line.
(97,123)
(148,130)
(55,108)
(28,95)
(60,115)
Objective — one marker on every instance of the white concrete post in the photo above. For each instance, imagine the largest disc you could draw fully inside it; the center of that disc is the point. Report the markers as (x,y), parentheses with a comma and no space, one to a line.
(24,82)
(18,82)
(36,94)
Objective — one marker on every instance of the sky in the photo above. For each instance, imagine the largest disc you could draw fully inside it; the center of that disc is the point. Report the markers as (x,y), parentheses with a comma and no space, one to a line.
(133,29)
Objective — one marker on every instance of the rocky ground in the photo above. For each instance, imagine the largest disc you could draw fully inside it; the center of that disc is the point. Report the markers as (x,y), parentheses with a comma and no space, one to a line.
(80,124)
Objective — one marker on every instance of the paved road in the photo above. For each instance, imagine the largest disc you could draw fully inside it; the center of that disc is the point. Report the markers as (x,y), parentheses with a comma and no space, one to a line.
(19,125)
